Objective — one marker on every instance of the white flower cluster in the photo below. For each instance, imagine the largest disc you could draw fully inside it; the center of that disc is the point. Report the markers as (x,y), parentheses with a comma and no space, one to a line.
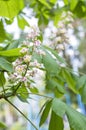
(25,67)
(58,36)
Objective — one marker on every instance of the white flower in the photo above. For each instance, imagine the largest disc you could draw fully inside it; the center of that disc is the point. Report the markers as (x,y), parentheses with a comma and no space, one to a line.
(63,30)
(37,42)
(41,52)
(35,64)
(27,58)
(25,43)
(20,69)
(58,39)
(24,50)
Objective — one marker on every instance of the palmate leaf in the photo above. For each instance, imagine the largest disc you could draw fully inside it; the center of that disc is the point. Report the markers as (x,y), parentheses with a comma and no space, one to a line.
(10,8)
(76,120)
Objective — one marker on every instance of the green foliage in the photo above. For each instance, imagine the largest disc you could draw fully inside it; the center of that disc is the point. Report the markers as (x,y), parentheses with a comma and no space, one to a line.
(73,4)
(22,22)
(2,125)
(81,86)
(44,10)
(22,93)
(2,32)
(66,2)
(56,122)
(69,79)
(45,113)
(76,120)
(11,52)
(50,64)
(34,90)
(83,94)
(5,65)
(10,8)
(2,79)
(59,58)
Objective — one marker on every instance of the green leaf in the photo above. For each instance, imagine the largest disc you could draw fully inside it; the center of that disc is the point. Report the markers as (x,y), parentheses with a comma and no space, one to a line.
(43,106)
(53,1)
(56,122)
(2,125)
(81,82)
(83,93)
(45,3)
(73,4)
(79,10)
(9,21)
(50,64)
(22,22)
(10,53)
(4,64)
(59,86)
(58,107)
(66,2)
(10,8)
(57,16)
(45,113)
(53,83)
(22,93)
(13,45)
(76,120)
(34,90)
(2,79)
(69,79)
(59,58)
(2,32)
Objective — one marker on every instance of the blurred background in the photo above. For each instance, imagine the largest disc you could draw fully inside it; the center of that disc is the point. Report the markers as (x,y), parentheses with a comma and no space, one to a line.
(71,46)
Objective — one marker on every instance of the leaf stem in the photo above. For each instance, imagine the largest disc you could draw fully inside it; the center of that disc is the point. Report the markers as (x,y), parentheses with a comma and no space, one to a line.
(21,113)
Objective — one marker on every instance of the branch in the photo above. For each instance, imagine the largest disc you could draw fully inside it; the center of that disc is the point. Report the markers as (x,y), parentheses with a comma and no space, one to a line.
(21,113)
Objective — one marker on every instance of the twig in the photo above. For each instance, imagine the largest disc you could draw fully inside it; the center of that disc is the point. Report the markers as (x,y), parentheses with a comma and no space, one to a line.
(21,113)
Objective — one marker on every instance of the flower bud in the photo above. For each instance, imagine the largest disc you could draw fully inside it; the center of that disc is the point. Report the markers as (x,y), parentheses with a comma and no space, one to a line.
(24,50)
